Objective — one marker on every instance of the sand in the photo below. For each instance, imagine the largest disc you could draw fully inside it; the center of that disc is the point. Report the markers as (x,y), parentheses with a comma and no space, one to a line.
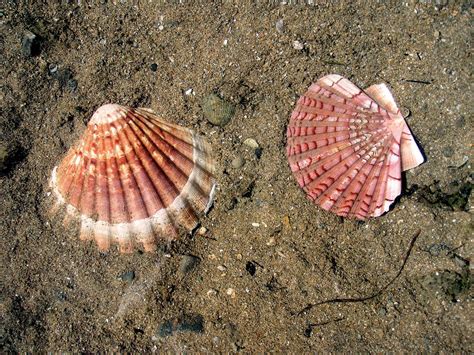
(273,272)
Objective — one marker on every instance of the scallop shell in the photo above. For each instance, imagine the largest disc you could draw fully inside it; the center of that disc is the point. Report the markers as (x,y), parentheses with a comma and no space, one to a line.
(134,179)
(347,148)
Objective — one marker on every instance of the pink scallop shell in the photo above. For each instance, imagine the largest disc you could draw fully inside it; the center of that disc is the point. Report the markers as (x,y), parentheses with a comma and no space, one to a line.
(134,179)
(347,147)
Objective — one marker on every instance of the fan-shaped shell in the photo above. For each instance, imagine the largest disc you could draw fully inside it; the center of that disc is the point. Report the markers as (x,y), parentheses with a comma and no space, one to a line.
(347,148)
(134,179)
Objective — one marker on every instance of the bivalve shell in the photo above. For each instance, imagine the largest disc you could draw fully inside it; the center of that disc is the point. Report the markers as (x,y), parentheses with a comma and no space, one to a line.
(134,179)
(347,148)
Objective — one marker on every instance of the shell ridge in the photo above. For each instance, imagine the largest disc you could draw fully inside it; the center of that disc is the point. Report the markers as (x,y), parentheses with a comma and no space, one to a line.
(339,183)
(179,208)
(160,166)
(354,166)
(160,222)
(348,105)
(346,170)
(178,132)
(365,186)
(73,193)
(316,164)
(139,166)
(103,210)
(149,137)
(138,213)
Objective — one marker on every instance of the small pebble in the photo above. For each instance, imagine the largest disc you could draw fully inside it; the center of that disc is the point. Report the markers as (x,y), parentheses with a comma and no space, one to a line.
(52,68)
(230,292)
(217,110)
(30,46)
(448,152)
(211,292)
(186,323)
(271,241)
(221,268)
(154,67)
(280,26)
(254,224)
(238,162)
(252,143)
(128,276)
(238,256)
(188,263)
(251,268)
(72,85)
(189,92)
(298,45)
(460,122)
(202,230)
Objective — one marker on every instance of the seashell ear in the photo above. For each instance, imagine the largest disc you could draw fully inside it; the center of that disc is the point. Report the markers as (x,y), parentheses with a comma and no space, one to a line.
(345,147)
(134,179)
(411,155)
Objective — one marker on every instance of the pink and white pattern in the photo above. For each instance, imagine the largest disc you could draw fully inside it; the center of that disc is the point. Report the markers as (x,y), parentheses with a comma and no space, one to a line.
(347,147)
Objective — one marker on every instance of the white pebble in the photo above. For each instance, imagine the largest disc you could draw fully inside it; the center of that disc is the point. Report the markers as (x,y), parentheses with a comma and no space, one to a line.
(298,45)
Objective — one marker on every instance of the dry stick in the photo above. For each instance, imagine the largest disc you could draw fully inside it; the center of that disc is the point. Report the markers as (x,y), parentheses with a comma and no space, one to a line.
(362,299)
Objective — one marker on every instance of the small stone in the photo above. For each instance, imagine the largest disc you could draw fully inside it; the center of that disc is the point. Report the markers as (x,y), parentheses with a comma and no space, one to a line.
(202,230)
(231,292)
(448,152)
(251,268)
(186,323)
(382,311)
(255,224)
(3,157)
(271,242)
(188,263)
(30,46)
(52,68)
(72,85)
(238,162)
(221,268)
(460,122)
(239,257)
(189,92)
(217,110)
(298,45)
(437,35)
(211,292)
(128,276)
(154,67)
(252,143)
(286,222)
(280,26)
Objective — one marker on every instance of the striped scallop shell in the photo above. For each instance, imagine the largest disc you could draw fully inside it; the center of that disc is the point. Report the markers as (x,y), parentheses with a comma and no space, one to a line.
(347,147)
(134,179)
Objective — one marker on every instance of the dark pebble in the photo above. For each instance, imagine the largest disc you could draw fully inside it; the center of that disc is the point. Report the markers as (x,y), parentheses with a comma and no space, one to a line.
(460,122)
(188,263)
(448,152)
(30,45)
(61,296)
(154,67)
(128,276)
(186,323)
(72,85)
(251,268)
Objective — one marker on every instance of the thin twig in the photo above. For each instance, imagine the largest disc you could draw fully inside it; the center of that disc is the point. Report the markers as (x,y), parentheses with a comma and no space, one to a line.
(363,299)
